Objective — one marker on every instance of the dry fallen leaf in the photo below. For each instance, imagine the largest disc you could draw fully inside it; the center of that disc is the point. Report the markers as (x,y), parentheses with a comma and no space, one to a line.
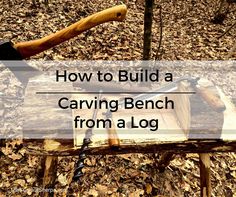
(93,192)
(233,174)
(148,188)
(20,182)
(138,192)
(15,157)
(62,179)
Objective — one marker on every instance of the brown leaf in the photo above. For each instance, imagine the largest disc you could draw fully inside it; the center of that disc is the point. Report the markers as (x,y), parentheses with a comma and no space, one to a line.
(20,182)
(148,188)
(62,179)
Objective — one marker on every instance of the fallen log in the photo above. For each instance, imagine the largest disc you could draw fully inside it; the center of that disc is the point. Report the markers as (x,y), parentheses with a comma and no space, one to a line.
(35,147)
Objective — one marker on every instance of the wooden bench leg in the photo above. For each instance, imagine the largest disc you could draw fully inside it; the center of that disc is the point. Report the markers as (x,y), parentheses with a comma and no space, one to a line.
(205,172)
(165,161)
(50,174)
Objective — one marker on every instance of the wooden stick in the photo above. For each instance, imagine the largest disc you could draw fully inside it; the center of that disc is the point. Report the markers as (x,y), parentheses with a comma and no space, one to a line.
(50,173)
(205,172)
(227,30)
(30,48)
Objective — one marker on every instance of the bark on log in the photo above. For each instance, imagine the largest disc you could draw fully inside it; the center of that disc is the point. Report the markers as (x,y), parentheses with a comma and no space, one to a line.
(194,146)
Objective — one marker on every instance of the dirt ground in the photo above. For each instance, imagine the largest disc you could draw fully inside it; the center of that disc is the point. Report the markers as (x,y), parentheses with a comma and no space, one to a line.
(188,34)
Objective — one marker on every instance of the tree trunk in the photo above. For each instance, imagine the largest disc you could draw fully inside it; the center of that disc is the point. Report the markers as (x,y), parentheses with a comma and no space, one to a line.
(148,15)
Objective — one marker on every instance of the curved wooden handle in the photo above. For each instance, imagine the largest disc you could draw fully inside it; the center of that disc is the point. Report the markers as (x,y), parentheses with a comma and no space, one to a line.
(30,48)
(215,102)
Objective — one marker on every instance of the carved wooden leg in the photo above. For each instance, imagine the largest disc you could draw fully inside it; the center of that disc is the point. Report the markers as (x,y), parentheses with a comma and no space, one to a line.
(165,161)
(205,171)
(50,173)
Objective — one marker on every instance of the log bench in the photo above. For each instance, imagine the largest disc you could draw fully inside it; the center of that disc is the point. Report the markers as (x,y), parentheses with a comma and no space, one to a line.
(181,130)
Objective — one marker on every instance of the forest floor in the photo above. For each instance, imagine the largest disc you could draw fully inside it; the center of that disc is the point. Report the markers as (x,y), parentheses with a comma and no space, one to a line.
(188,34)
